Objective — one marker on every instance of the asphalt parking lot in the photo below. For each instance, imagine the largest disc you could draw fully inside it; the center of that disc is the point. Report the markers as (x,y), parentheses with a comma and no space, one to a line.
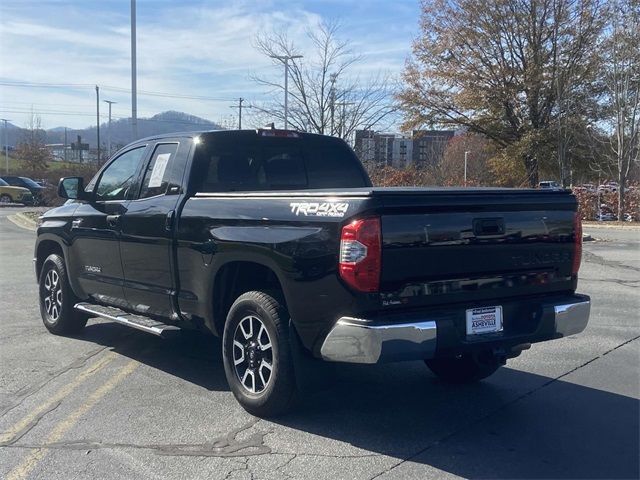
(117,403)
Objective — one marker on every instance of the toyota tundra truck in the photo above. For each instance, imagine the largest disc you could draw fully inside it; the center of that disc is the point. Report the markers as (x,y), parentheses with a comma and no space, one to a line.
(277,242)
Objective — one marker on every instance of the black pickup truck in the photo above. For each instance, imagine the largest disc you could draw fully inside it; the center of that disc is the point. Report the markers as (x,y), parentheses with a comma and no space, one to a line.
(277,242)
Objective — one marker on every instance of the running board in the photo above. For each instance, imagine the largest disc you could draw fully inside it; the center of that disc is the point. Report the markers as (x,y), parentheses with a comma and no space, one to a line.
(132,320)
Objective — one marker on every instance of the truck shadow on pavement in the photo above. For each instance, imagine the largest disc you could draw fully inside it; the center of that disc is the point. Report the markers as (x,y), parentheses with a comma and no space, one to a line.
(513,425)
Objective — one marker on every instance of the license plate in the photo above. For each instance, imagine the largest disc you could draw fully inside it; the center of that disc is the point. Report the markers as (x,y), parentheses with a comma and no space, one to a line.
(484,320)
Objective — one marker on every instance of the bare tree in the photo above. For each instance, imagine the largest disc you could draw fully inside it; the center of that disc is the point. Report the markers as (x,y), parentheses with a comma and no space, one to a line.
(323,96)
(621,79)
(31,150)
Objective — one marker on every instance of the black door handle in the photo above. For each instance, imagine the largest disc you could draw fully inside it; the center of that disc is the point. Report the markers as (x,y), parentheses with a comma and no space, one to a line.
(168,221)
(113,220)
(488,226)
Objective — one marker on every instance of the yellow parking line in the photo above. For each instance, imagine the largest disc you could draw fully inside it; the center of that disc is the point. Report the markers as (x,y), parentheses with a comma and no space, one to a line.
(18,429)
(22,470)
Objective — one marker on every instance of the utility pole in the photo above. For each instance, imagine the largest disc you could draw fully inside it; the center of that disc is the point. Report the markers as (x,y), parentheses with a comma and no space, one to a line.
(64,149)
(134,88)
(110,102)
(465,167)
(333,77)
(285,59)
(98,119)
(239,107)
(6,143)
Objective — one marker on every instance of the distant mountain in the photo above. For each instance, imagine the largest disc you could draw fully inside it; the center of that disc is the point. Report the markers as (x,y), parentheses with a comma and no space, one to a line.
(165,122)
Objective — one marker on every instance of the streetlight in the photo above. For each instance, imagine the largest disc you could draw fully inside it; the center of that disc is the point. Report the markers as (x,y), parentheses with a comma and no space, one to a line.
(110,102)
(465,167)
(285,59)
(134,98)
(6,143)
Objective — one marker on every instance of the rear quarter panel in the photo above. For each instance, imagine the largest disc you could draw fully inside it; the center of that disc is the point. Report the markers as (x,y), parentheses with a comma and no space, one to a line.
(300,247)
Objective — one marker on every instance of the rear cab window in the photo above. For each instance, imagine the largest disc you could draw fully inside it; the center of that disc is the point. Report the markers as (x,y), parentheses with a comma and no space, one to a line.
(245,161)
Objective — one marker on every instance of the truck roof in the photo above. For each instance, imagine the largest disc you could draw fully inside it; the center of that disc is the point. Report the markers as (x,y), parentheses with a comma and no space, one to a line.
(243,132)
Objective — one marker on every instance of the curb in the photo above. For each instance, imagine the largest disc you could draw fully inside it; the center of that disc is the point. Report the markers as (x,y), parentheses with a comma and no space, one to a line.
(611,225)
(22,221)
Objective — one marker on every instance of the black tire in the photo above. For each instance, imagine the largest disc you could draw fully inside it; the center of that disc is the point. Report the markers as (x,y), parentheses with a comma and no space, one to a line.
(466,369)
(274,388)
(4,198)
(57,299)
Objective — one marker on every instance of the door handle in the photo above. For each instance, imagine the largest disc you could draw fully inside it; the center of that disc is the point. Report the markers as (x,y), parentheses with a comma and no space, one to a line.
(488,226)
(168,221)
(113,220)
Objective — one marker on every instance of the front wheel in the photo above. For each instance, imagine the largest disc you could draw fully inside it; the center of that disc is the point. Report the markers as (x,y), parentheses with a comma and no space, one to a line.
(57,299)
(257,356)
(465,369)
(4,198)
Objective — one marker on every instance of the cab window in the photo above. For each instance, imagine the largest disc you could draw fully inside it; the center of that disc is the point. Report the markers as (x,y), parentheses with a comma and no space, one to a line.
(156,176)
(118,178)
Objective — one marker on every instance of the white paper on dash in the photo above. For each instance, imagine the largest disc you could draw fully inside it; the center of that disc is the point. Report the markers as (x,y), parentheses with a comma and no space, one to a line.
(158,170)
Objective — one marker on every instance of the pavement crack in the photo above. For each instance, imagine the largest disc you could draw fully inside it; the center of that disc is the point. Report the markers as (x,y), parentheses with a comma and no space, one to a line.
(243,468)
(227,445)
(624,283)
(27,428)
(497,410)
(26,392)
(280,468)
(593,258)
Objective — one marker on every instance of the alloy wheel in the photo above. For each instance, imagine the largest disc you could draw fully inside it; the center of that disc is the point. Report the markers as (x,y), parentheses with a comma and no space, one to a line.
(252,354)
(52,295)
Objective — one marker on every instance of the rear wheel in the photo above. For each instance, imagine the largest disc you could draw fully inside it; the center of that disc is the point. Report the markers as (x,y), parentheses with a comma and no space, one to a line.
(57,299)
(257,356)
(4,198)
(465,369)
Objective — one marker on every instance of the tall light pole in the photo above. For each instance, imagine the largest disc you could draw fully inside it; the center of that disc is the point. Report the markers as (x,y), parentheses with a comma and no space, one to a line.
(134,87)
(333,77)
(285,59)
(465,167)
(98,119)
(110,102)
(6,144)
(343,118)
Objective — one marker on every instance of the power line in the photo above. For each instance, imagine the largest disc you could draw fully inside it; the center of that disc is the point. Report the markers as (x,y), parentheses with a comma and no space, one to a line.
(154,120)
(114,89)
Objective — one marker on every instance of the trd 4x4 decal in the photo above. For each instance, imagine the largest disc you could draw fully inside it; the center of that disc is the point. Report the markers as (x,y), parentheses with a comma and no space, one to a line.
(319,209)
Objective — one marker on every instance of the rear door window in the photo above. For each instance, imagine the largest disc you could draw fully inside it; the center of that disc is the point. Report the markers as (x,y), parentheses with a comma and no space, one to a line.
(155,181)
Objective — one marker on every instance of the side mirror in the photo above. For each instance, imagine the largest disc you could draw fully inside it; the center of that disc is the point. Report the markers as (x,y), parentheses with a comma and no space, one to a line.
(71,187)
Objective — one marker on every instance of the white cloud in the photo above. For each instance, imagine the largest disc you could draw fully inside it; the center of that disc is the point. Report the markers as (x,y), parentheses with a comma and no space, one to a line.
(195,50)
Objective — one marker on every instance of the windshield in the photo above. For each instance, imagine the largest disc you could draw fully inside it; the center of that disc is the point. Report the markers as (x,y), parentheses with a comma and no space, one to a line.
(3,183)
(30,182)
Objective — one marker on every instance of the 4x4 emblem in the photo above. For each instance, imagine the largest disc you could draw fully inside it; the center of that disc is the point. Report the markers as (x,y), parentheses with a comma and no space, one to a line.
(319,209)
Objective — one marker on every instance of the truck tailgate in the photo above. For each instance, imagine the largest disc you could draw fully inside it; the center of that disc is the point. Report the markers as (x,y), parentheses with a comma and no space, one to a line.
(475,245)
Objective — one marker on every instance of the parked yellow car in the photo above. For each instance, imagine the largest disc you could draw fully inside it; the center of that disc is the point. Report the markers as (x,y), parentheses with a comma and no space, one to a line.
(9,194)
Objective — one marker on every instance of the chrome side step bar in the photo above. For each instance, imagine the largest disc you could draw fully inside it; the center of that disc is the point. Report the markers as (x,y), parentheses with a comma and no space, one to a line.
(139,322)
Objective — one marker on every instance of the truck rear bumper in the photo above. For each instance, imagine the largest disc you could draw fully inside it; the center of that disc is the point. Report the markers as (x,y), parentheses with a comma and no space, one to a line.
(416,336)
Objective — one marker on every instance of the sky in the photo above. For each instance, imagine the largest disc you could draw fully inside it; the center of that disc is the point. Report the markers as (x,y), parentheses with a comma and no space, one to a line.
(197,48)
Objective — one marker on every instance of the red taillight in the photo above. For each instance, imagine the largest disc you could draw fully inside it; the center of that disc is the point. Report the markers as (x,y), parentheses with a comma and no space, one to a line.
(577,241)
(361,254)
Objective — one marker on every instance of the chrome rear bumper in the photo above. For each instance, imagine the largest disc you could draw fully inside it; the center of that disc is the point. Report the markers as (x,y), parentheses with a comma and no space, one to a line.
(356,340)
(571,318)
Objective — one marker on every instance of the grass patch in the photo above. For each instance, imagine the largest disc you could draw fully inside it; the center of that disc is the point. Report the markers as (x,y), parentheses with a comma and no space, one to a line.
(16,166)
